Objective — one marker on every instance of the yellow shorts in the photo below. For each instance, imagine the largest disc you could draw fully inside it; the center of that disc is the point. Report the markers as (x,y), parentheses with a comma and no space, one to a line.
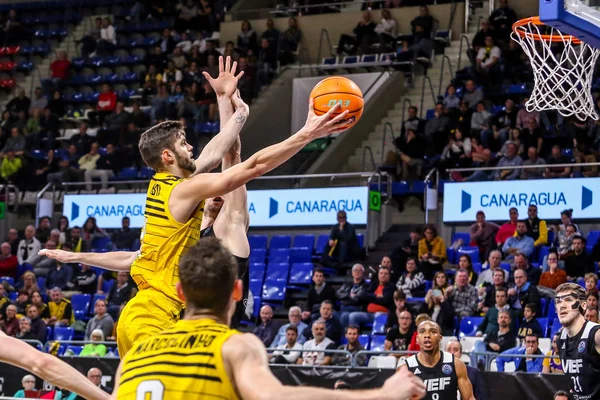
(148,313)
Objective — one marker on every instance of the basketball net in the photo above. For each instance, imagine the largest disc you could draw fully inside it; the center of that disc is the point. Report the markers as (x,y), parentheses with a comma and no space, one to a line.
(563,68)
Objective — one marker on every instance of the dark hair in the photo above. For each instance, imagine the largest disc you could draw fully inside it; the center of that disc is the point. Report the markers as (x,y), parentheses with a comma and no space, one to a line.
(468,257)
(156,139)
(502,289)
(125,218)
(431,228)
(399,295)
(590,293)
(579,237)
(319,269)
(353,327)
(568,213)
(207,273)
(561,393)
(480,213)
(532,307)
(23,291)
(292,328)
(522,221)
(534,205)
(513,208)
(327,302)
(537,338)
(44,217)
(501,270)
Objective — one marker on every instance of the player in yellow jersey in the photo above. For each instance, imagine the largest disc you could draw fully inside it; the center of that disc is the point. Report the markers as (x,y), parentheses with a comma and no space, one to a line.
(200,357)
(20,354)
(175,201)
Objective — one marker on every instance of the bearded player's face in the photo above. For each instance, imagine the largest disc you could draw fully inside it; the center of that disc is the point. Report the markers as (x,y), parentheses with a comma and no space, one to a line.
(184,155)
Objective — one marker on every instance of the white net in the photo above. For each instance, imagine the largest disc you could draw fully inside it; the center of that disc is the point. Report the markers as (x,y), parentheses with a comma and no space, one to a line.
(563,69)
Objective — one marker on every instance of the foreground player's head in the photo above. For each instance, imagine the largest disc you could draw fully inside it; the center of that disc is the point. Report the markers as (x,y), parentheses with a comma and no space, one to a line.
(208,280)
(570,303)
(164,148)
(212,207)
(429,336)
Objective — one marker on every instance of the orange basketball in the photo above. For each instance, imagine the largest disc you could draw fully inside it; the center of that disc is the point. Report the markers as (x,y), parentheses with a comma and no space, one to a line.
(338,90)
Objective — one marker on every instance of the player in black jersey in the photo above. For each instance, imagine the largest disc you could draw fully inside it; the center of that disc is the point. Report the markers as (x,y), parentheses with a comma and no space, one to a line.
(443,374)
(578,343)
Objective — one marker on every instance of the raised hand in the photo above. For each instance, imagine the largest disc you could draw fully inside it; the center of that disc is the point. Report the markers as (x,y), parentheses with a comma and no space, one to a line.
(238,103)
(403,385)
(326,124)
(226,83)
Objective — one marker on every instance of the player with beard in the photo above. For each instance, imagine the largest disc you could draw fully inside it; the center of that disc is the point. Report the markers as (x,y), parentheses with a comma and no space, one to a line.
(578,343)
(175,207)
(443,374)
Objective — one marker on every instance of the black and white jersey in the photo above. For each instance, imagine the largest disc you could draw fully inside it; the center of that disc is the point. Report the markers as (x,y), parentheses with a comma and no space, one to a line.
(581,362)
(441,381)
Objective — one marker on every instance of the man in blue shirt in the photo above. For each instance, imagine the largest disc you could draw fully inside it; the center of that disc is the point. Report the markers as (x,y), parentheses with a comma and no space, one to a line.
(294,316)
(521,243)
(522,363)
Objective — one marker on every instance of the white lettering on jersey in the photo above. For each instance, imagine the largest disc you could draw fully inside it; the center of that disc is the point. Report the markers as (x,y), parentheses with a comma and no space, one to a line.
(572,366)
(433,385)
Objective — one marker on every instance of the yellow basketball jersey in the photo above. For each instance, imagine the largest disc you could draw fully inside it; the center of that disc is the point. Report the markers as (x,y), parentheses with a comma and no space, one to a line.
(164,240)
(183,362)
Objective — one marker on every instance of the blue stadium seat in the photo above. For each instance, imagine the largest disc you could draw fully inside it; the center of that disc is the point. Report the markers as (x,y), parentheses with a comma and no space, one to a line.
(100,242)
(466,238)
(379,323)
(505,266)
(258,255)
(468,325)
(128,173)
(551,311)
(107,285)
(146,172)
(360,238)
(300,254)
(430,114)
(301,274)
(75,349)
(428,285)
(273,291)
(365,340)
(555,327)
(543,307)
(257,241)
(544,324)
(477,267)
(80,304)
(41,282)
(12,296)
(277,272)
(63,334)
(329,60)
(279,256)
(280,242)
(322,242)
(377,342)
(472,251)
(257,304)
(304,241)
(400,188)
(9,279)
(257,271)
(256,286)
(544,250)
(592,238)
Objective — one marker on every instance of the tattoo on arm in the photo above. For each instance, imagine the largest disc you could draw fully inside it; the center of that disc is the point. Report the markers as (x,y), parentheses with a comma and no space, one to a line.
(240,119)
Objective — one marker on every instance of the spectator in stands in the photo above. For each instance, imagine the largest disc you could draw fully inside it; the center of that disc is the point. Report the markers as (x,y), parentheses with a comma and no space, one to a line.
(267,329)
(466,264)
(343,242)
(59,276)
(580,262)
(92,349)
(91,232)
(522,363)
(59,69)
(524,116)
(105,168)
(412,154)
(334,327)
(67,167)
(95,376)
(18,103)
(530,325)
(412,282)
(532,159)
(483,233)
(22,301)
(553,365)
(124,237)
(153,78)
(564,240)
(39,102)
(487,62)
(353,346)
(10,168)
(284,355)
(6,125)
(455,348)
(27,282)
(591,282)
(555,159)
(400,254)
(33,129)
(138,117)
(502,20)
(479,38)
(172,76)
(116,121)
(412,122)
(119,294)
(42,264)
(536,228)
(522,292)
(318,292)
(497,341)
(13,240)
(101,320)
(520,243)
(178,58)
(294,316)
(28,247)
(8,261)
(107,102)
(90,41)
(272,34)
(24,332)
(398,338)
(592,300)
(82,138)
(432,252)
(487,292)
(28,383)
(320,342)
(351,294)
(386,29)
(10,324)
(184,43)
(36,300)
(522,262)
(591,314)
(60,309)
(480,120)
(379,298)
(462,295)
(436,128)
(11,28)
(187,12)
(472,94)
(16,144)
(108,38)
(38,326)
(394,312)
(57,107)
(510,159)
(504,122)
(247,39)
(73,236)
(290,40)
(84,282)
(438,307)
(554,276)
(266,63)
(364,36)
(532,133)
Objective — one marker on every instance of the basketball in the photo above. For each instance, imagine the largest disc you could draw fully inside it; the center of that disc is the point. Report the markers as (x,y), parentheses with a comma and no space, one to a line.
(338,90)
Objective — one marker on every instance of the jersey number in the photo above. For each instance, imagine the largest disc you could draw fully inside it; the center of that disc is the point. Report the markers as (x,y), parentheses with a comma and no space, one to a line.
(576,385)
(435,396)
(155,389)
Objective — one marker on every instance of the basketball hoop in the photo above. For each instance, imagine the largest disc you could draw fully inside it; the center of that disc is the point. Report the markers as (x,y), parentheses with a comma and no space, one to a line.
(563,67)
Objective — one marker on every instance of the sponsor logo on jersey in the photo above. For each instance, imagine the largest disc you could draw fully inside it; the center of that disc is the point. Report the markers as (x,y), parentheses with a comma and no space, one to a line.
(581,346)
(433,385)
(572,366)
(446,369)
(417,371)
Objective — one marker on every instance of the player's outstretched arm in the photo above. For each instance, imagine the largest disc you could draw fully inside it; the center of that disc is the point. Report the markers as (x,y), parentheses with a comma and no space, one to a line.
(224,86)
(117,261)
(204,185)
(464,384)
(20,354)
(247,364)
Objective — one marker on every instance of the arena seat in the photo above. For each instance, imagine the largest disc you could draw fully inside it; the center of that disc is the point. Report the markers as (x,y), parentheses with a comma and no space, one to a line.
(592,238)
(544,251)
(107,285)
(277,272)
(551,311)
(258,255)
(274,291)
(379,323)
(75,349)
(544,324)
(80,304)
(280,242)
(279,256)
(321,245)
(100,243)
(301,273)
(543,312)
(146,172)
(360,238)
(300,254)
(388,362)
(63,334)
(377,342)
(477,267)
(257,241)
(464,236)
(555,327)
(468,342)
(41,282)
(505,266)
(9,279)
(545,345)
(257,270)
(468,325)
(12,296)
(304,241)
(365,340)
(472,251)
(256,286)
